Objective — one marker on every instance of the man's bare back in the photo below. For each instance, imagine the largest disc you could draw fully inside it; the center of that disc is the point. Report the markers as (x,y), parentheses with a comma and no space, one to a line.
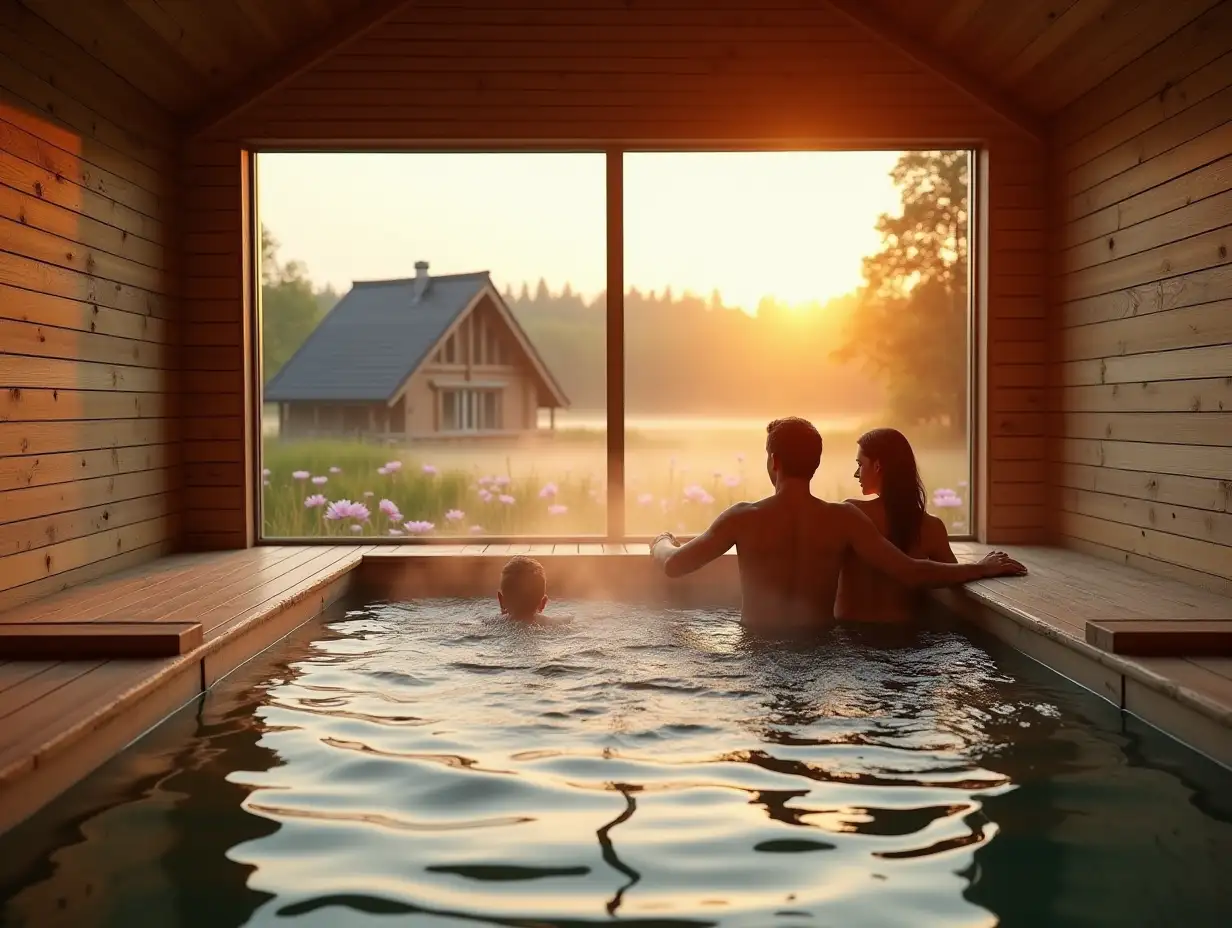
(790,554)
(791,545)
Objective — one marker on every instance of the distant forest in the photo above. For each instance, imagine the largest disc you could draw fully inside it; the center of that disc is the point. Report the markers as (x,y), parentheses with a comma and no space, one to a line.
(694,356)
(897,346)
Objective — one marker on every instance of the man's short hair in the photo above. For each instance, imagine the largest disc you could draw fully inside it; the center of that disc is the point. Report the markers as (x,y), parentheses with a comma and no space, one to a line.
(796,444)
(523,582)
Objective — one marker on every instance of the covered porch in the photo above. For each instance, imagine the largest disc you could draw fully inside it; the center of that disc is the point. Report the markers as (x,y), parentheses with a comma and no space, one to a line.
(128,304)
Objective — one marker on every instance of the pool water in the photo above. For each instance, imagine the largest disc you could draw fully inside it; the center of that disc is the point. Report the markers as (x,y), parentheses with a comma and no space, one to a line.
(432,764)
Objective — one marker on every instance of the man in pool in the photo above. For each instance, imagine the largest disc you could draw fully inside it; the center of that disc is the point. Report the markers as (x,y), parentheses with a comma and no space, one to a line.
(791,544)
(523,592)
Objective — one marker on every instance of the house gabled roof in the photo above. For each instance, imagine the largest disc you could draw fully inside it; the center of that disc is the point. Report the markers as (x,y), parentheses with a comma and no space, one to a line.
(378,335)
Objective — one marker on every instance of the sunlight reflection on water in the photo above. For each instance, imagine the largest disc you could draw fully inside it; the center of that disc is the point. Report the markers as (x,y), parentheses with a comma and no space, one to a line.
(647,766)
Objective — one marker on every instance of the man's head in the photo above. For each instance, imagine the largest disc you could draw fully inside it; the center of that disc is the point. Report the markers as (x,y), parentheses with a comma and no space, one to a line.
(793,449)
(523,587)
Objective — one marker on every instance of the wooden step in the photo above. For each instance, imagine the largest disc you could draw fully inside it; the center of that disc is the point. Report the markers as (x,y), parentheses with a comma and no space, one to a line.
(1163,637)
(80,641)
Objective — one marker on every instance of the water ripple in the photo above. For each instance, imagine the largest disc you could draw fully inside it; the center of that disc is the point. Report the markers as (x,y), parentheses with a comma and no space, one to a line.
(434,761)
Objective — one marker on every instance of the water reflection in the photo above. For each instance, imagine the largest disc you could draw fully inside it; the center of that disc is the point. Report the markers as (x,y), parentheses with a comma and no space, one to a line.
(427,761)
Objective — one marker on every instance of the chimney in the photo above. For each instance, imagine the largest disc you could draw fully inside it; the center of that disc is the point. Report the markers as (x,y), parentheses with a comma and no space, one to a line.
(421,281)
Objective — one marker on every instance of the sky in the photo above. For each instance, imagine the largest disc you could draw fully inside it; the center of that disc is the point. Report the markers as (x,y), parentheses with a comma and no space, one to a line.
(789,225)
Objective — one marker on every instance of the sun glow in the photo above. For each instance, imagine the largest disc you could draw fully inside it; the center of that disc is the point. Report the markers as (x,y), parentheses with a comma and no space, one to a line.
(792,226)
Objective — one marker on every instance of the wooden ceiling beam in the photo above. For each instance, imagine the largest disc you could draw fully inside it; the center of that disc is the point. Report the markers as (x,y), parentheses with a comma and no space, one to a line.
(299,59)
(928,57)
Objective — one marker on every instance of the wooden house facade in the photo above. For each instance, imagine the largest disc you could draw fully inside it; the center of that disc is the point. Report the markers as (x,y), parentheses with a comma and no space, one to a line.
(421,358)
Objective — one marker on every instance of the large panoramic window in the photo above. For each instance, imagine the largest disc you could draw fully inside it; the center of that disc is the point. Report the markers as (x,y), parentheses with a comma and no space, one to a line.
(432,345)
(435,355)
(826,285)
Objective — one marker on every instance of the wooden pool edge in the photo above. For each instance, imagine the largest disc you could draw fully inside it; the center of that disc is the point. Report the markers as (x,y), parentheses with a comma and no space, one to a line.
(71,754)
(1198,721)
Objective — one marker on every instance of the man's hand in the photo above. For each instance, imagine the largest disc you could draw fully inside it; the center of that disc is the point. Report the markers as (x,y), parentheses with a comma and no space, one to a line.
(1000,564)
(663,536)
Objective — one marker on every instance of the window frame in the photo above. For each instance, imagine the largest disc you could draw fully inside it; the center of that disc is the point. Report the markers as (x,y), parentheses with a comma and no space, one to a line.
(614,342)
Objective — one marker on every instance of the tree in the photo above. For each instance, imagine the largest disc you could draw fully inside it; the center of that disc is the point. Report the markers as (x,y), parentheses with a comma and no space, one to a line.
(910,325)
(290,307)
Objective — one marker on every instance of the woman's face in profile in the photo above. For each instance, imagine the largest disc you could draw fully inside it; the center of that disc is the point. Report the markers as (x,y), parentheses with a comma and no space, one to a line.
(868,472)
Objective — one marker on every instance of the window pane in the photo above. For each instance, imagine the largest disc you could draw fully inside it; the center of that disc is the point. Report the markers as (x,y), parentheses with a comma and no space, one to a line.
(769,284)
(382,277)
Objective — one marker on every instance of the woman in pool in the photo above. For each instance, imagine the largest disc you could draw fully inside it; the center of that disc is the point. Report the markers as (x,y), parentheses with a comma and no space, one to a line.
(886,469)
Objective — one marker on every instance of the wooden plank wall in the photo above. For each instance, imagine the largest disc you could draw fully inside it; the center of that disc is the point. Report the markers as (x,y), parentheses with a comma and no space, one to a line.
(89,451)
(595,72)
(1143,168)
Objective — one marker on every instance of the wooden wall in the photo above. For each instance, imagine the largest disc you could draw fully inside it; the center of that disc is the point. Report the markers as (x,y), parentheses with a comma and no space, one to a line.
(595,72)
(89,450)
(1143,168)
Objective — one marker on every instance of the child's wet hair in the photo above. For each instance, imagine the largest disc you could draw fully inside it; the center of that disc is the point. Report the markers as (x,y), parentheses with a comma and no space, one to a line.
(523,582)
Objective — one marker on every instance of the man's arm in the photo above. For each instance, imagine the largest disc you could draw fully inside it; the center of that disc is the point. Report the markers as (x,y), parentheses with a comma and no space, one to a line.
(677,560)
(874,549)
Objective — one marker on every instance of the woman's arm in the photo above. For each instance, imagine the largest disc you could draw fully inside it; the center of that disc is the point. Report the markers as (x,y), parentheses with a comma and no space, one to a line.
(936,538)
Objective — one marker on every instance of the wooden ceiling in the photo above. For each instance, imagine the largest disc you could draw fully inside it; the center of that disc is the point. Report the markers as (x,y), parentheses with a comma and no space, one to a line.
(1040,54)
(183,53)
(1043,53)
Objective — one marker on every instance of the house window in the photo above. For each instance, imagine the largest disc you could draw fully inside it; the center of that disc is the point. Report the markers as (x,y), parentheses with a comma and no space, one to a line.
(470,410)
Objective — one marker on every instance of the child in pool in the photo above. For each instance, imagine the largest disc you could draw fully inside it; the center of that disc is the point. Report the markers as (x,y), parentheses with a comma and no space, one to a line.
(523,593)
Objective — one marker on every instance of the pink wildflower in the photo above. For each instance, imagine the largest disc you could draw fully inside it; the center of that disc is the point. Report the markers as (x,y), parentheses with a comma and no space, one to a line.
(418,528)
(395,531)
(265,472)
(548,492)
(485,496)
(368,494)
(645,499)
(382,470)
(359,512)
(315,501)
(506,499)
(501,481)
(320,481)
(946,499)
(476,529)
(556,509)
(357,529)
(429,469)
(389,507)
(335,470)
(455,515)
(300,474)
(392,467)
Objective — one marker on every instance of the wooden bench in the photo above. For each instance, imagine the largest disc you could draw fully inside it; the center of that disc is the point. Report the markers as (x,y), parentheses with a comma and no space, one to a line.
(1163,637)
(88,641)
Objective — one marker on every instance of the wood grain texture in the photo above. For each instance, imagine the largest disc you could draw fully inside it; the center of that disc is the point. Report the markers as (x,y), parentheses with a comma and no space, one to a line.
(1143,384)
(89,470)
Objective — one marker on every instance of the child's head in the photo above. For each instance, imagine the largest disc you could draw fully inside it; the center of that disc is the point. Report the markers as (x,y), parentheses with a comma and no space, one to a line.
(523,587)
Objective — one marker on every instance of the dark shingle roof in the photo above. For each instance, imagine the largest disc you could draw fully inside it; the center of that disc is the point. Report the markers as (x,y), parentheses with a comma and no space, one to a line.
(373,338)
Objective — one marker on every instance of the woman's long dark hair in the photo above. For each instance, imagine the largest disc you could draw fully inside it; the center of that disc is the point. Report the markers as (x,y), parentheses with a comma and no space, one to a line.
(902,491)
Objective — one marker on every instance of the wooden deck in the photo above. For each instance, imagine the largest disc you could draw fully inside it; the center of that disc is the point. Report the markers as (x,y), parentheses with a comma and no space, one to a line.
(61,719)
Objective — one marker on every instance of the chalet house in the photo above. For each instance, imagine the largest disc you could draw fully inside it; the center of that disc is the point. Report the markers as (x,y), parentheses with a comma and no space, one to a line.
(424,357)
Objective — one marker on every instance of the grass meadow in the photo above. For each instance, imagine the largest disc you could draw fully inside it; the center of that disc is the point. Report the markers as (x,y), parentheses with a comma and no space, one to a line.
(676,480)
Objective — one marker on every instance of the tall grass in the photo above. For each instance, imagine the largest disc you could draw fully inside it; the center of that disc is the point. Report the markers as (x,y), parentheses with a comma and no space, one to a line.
(492,497)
